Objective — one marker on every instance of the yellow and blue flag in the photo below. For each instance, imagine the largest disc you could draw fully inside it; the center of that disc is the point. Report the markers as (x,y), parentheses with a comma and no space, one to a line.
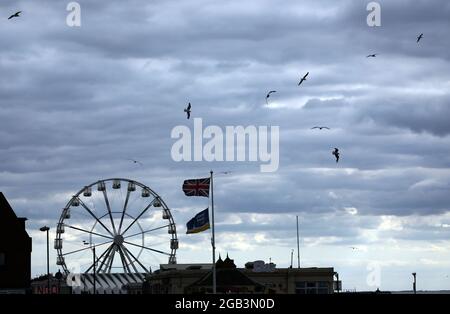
(199,223)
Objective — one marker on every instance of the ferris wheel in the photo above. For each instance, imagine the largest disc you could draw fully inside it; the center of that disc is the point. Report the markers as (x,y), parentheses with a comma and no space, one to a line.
(115,225)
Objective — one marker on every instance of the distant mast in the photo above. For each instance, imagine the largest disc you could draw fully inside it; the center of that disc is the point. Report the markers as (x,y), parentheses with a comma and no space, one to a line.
(298,246)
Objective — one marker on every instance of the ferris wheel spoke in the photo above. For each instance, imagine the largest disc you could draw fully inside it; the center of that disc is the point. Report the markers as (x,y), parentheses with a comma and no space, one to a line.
(110,261)
(130,260)
(105,195)
(97,259)
(136,234)
(95,217)
(83,249)
(105,257)
(124,209)
(157,243)
(139,216)
(87,231)
(124,261)
(129,252)
(147,248)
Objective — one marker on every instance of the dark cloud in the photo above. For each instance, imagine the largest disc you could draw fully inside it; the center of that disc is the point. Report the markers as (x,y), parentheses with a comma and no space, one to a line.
(75,103)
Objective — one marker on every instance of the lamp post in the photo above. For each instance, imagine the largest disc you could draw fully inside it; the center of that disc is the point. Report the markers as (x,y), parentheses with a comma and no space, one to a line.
(94,263)
(414,283)
(46,229)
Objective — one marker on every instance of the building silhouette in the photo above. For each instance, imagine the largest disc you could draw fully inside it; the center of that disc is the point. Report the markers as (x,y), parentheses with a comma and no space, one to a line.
(58,285)
(15,251)
(229,280)
(256,278)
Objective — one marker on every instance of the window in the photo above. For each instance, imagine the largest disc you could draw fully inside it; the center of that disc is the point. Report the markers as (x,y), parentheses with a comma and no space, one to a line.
(323,284)
(312,287)
(310,284)
(300,287)
(323,287)
(300,284)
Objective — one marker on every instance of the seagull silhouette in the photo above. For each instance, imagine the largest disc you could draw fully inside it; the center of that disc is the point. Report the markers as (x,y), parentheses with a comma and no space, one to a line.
(372,55)
(17,14)
(136,161)
(336,154)
(353,247)
(268,95)
(188,111)
(419,37)
(320,127)
(303,79)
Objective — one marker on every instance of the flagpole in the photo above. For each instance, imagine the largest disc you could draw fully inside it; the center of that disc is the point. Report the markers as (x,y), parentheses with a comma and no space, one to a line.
(298,246)
(213,239)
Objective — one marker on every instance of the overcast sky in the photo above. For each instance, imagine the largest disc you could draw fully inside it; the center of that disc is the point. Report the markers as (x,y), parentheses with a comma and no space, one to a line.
(76,102)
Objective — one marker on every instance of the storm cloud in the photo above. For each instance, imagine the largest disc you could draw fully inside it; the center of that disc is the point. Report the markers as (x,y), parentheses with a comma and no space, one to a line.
(77,102)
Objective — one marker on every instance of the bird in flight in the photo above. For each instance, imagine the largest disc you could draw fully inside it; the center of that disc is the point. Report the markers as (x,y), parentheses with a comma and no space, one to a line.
(320,127)
(419,37)
(353,247)
(17,14)
(372,55)
(268,94)
(336,154)
(188,111)
(136,162)
(225,172)
(303,79)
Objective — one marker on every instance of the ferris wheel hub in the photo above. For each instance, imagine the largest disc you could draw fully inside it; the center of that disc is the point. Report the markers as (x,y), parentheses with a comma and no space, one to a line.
(118,239)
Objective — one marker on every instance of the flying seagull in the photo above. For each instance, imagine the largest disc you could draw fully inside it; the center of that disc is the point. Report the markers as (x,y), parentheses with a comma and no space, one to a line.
(336,154)
(268,94)
(303,79)
(353,247)
(136,161)
(419,37)
(17,14)
(372,55)
(188,111)
(320,127)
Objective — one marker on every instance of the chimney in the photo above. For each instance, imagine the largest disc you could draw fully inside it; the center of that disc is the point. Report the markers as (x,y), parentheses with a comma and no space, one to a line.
(22,221)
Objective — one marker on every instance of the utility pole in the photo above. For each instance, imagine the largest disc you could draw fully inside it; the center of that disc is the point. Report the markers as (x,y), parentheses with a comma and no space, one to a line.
(46,229)
(298,246)
(95,262)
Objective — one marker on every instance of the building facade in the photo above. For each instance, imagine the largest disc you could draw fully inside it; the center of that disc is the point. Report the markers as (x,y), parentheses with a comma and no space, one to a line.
(58,285)
(15,251)
(256,278)
(105,283)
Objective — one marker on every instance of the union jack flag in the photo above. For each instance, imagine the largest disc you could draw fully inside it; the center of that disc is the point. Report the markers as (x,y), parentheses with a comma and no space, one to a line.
(196,187)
